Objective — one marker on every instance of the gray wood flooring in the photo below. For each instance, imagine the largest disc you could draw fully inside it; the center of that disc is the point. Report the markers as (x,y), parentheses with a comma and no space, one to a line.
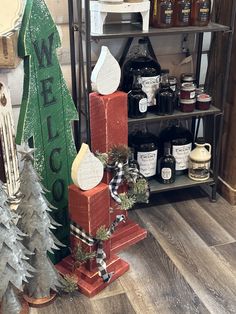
(186,265)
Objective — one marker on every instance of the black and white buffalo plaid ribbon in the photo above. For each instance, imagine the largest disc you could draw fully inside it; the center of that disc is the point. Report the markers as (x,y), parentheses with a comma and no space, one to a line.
(120,169)
(116,181)
(80,233)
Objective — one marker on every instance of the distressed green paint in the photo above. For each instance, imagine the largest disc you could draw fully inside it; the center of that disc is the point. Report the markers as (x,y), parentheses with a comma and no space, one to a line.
(47,109)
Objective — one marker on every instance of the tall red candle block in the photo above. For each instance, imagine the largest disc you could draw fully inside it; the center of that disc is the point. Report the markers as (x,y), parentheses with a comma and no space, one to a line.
(109,127)
(108,121)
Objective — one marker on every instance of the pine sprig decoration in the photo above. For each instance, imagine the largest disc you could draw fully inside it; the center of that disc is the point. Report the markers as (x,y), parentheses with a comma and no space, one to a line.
(102,234)
(103,157)
(80,256)
(119,153)
(140,186)
(70,284)
(127,201)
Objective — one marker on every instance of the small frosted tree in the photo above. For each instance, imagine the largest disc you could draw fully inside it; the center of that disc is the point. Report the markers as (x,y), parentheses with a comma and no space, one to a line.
(14,268)
(37,224)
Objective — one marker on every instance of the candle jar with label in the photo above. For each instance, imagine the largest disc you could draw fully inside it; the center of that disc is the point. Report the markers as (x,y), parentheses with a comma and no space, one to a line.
(200,12)
(187,78)
(187,105)
(149,70)
(203,101)
(166,166)
(188,91)
(137,100)
(199,161)
(182,10)
(180,139)
(145,147)
(161,13)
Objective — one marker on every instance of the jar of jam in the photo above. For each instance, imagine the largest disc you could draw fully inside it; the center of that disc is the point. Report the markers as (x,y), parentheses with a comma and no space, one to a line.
(187,78)
(203,102)
(187,105)
(182,12)
(200,12)
(187,91)
(161,13)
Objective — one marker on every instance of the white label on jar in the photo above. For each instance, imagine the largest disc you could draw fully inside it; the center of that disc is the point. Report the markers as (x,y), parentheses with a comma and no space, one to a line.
(166,173)
(143,103)
(192,95)
(181,153)
(173,87)
(147,162)
(149,86)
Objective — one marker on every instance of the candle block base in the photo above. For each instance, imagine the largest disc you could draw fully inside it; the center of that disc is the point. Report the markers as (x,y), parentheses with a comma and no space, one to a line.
(89,282)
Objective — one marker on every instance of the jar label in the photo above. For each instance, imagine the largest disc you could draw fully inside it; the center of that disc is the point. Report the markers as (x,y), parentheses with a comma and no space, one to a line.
(181,154)
(192,95)
(184,12)
(166,13)
(143,103)
(149,86)
(204,12)
(166,173)
(199,170)
(147,162)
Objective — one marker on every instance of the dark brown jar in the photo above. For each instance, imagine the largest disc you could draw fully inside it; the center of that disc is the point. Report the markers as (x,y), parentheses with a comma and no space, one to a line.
(182,12)
(200,12)
(161,15)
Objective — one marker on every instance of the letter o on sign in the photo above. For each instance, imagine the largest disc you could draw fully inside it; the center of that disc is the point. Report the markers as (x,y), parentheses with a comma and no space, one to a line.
(58,189)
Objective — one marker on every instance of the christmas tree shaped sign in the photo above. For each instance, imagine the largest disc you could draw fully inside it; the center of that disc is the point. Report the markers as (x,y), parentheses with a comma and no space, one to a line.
(47,108)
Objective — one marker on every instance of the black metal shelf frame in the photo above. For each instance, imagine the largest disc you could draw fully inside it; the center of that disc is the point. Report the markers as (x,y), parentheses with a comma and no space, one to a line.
(79,26)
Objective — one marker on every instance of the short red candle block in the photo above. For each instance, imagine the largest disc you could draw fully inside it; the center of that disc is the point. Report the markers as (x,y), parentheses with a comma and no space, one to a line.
(108,121)
(90,210)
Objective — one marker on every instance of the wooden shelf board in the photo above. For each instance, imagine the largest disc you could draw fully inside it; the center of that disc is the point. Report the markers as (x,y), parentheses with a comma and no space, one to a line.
(151,117)
(181,182)
(135,30)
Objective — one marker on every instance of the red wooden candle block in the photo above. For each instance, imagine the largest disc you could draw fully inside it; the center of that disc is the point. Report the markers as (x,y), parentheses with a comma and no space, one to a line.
(109,127)
(108,121)
(90,210)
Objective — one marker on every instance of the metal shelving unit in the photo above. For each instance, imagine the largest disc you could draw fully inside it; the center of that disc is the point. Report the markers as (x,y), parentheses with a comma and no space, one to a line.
(80,27)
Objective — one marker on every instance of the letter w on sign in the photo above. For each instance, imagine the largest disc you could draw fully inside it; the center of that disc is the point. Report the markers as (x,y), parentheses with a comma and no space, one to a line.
(47,108)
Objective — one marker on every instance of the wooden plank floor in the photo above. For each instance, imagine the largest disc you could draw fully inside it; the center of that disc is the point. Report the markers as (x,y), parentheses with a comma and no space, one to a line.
(186,265)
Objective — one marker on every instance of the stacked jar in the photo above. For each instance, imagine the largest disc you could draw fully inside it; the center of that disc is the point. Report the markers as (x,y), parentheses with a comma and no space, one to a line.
(187,100)
(179,13)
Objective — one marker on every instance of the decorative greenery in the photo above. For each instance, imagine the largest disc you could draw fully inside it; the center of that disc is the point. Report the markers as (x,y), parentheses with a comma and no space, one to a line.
(103,157)
(80,256)
(127,201)
(102,234)
(119,153)
(70,284)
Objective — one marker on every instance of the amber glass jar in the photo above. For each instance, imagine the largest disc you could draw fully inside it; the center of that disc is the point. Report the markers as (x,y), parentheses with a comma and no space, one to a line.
(182,12)
(161,15)
(200,12)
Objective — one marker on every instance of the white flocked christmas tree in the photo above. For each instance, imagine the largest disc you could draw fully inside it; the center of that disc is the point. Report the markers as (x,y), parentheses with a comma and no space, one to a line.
(14,267)
(37,224)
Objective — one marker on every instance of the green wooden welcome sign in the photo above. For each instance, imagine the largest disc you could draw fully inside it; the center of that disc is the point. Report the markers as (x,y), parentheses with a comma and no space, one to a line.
(47,109)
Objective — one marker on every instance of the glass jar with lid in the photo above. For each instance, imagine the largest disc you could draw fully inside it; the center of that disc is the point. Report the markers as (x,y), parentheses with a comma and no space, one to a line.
(182,12)
(161,13)
(200,12)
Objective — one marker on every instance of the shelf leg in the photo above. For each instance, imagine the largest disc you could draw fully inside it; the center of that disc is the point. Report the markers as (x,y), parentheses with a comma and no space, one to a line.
(145,17)
(97,21)
(213,193)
